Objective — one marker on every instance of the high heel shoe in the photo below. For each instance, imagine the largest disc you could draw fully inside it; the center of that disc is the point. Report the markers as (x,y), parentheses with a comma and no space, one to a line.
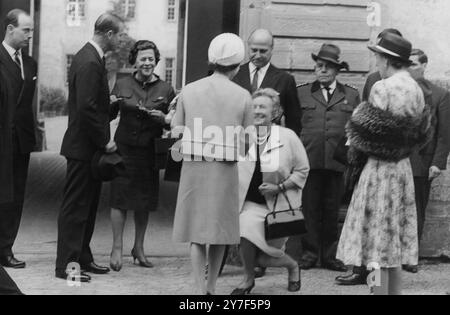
(115,265)
(143,264)
(296,286)
(241,292)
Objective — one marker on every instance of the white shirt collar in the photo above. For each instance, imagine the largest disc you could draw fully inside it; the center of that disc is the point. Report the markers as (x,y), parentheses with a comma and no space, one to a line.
(333,86)
(11,51)
(261,74)
(98,48)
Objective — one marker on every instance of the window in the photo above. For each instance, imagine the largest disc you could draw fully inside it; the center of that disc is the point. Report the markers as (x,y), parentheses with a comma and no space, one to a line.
(172,9)
(69,59)
(76,11)
(170,67)
(129,8)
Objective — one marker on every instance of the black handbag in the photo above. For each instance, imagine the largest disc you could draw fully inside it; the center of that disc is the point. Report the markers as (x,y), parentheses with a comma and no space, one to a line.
(173,167)
(281,224)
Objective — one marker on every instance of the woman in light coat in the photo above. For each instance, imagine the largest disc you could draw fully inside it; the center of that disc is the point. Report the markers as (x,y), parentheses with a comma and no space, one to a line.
(276,166)
(207,213)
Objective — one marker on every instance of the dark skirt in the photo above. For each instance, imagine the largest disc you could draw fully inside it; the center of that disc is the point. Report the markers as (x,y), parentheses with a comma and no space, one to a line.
(139,189)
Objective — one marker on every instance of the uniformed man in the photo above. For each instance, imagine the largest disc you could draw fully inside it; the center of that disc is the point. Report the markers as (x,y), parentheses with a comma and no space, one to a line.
(327,105)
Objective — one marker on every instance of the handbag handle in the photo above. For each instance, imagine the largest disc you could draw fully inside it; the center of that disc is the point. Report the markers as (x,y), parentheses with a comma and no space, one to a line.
(274,212)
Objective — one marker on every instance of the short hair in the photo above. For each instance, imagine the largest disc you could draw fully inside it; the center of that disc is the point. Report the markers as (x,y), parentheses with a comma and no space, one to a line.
(390,31)
(273,95)
(423,58)
(141,46)
(12,18)
(108,22)
(395,62)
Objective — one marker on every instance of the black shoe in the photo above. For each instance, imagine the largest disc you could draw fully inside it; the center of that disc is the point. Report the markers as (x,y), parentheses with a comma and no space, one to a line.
(295,286)
(241,292)
(335,265)
(411,269)
(11,262)
(142,263)
(95,269)
(260,272)
(306,264)
(351,280)
(82,278)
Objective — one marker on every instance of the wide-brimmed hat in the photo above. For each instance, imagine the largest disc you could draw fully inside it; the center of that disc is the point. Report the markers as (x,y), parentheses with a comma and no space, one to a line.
(226,50)
(393,45)
(331,53)
(107,166)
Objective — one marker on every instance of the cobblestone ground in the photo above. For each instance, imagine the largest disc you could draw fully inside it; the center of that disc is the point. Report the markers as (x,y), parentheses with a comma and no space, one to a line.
(36,244)
(172,276)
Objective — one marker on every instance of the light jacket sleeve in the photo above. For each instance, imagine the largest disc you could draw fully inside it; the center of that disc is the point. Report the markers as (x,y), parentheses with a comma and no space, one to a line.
(300,170)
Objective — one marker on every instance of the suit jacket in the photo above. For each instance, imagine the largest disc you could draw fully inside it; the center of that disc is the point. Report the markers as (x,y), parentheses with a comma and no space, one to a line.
(89,106)
(437,151)
(284,84)
(371,80)
(6,146)
(21,94)
(324,124)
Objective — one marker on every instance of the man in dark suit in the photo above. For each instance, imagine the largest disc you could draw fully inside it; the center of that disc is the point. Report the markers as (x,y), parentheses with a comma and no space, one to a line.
(88,133)
(327,105)
(20,71)
(429,163)
(260,73)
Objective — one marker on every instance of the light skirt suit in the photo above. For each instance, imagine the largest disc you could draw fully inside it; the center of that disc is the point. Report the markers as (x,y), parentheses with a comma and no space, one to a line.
(284,158)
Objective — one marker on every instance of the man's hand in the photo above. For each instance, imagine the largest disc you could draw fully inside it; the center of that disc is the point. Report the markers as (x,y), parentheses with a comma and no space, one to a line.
(434,172)
(111,147)
(113,99)
(269,189)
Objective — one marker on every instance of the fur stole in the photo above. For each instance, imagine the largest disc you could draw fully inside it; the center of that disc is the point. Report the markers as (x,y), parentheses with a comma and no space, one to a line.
(378,133)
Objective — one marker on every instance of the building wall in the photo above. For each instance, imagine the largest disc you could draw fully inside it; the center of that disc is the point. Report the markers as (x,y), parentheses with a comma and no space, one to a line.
(426,24)
(58,39)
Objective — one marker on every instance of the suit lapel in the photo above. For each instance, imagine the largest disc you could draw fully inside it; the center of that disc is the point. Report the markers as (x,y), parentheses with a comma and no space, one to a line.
(270,75)
(12,69)
(317,94)
(338,96)
(244,77)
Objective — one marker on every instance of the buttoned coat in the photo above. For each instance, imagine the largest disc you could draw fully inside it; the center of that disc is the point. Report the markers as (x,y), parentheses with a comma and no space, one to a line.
(284,158)
(324,123)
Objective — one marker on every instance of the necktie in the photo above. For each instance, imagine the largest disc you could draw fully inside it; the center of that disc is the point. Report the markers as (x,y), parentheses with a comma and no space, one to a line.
(104,61)
(329,94)
(17,59)
(255,81)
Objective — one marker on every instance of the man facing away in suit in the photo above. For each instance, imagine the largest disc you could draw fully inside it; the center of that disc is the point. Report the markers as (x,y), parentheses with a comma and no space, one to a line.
(260,73)
(88,133)
(428,163)
(21,73)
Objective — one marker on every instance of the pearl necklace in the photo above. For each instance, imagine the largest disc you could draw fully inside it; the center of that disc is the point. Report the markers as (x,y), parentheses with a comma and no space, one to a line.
(262,140)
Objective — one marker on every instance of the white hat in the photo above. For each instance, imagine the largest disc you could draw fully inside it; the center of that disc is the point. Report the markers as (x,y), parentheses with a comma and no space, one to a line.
(226,50)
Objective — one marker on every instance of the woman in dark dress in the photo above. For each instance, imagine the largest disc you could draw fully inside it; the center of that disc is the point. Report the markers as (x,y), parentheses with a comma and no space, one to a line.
(143,102)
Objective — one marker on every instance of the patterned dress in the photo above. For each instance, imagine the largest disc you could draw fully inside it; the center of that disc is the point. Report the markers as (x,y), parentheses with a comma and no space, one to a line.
(381,224)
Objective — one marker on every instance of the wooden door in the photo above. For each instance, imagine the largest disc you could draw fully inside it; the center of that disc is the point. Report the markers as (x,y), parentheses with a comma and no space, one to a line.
(301,27)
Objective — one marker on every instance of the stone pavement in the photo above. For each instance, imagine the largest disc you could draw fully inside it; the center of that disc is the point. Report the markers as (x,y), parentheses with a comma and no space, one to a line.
(36,244)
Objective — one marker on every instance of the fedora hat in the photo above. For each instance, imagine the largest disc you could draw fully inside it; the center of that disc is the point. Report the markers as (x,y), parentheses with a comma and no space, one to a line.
(107,166)
(331,53)
(393,45)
